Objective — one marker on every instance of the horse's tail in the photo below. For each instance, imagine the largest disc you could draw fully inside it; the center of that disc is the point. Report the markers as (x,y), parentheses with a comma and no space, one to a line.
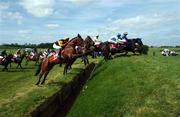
(38,69)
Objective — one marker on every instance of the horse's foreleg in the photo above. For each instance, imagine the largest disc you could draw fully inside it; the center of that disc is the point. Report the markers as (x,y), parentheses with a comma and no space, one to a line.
(65,69)
(87,60)
(20,65)
(45,75)
(126,52)
(40,75)
(60,65)
(17,66)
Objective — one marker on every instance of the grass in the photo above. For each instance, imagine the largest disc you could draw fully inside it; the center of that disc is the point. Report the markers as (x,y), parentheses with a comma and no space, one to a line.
(18,93)
(132,86)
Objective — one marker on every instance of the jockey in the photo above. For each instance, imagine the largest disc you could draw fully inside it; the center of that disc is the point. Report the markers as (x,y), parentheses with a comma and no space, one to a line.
(96,40)
(125,36)
(119,36)
(60,45)
(113,39)
(32,53)
(46,53)
(35,50)
(3,55)
(122,40)
(18,53)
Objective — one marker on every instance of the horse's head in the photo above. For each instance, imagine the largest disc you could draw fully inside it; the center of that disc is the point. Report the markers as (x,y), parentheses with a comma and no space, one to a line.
(76,41)
(79,40)
(138,40)
(89,43)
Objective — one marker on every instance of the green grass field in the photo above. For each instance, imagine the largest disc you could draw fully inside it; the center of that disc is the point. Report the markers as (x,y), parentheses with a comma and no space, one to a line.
(132,86)
(18,93)
(125,86)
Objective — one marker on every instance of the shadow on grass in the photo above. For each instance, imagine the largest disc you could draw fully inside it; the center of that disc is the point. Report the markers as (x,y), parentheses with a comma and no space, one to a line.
(122,55)
(57,83)
(16,71)
(23,68)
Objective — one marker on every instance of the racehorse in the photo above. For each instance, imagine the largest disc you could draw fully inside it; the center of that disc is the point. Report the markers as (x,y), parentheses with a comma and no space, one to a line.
(68,53)
(104,48)
(18,60)
(132,45)
(74,49)
(86,48)
(6,62)
(35,58)
(89,48)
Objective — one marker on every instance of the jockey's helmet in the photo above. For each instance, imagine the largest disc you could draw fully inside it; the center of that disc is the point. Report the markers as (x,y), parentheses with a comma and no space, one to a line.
(125,33)
(118,35)
(66,38)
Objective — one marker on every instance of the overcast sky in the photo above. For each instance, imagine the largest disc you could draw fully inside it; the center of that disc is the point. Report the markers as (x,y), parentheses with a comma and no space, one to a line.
(157,22)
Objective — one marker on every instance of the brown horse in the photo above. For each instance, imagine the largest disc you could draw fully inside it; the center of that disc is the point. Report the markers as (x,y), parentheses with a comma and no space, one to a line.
(74,49)
(68,53)
(89,48)
(35,58)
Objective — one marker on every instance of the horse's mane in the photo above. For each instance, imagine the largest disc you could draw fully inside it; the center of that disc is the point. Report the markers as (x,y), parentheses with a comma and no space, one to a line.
(69,42)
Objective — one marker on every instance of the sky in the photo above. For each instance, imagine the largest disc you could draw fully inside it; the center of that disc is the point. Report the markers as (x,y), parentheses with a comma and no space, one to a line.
(157,22)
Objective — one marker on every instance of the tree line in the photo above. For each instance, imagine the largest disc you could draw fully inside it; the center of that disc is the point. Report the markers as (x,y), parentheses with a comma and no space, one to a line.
(29,45)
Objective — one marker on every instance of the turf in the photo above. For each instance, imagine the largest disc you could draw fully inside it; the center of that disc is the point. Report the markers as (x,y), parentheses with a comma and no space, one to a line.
(18,93)
(132,86)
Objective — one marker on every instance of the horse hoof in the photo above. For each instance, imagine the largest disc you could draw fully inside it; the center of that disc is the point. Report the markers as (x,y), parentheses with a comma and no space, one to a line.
(37,83)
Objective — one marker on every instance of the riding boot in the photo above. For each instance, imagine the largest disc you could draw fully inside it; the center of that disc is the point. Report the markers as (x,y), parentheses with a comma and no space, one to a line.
(59,55)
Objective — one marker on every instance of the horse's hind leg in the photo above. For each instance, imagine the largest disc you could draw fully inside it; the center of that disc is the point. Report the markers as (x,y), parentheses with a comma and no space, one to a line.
(65,69)
(87,60)
(45,75)
(17,66)
(20,65)
(40,75)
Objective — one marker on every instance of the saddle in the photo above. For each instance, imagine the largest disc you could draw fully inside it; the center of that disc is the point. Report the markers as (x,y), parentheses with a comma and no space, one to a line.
(60,54)
(16,58)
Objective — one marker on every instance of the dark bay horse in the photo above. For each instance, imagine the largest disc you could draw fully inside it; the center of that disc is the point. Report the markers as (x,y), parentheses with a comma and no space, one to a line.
(133,45)
(104,48)
(68,53)
(89,48)
(6,62)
